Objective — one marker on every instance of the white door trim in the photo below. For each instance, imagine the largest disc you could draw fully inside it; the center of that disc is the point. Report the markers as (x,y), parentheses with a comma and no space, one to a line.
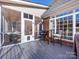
(23,36)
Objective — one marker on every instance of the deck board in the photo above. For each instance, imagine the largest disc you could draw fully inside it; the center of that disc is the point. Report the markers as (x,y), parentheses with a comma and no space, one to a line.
(37,50)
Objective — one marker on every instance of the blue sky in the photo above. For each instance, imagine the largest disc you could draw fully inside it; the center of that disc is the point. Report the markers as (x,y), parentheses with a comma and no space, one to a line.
(44,2)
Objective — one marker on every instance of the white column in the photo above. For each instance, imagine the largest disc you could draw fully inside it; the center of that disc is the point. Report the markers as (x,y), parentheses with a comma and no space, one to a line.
(42,25)
(74,25)
(33,26)
(6,26)
(38,29)
(0,25)
(55,24)
(3,29)
(50,25)
(22,27)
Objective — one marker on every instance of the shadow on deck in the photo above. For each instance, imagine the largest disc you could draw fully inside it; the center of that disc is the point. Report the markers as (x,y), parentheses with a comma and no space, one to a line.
(37,50)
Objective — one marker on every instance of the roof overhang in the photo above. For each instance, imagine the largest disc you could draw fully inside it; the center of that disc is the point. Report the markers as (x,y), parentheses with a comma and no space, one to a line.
(69,6)
(23,3)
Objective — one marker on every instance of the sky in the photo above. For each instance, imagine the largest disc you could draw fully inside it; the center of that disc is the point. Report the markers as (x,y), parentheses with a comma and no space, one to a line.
(44,2)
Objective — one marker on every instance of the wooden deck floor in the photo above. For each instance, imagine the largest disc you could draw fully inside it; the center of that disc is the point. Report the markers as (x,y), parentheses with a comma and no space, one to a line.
(37,50)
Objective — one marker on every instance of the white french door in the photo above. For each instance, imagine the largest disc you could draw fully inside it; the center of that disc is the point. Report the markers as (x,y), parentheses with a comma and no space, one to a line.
(27,30)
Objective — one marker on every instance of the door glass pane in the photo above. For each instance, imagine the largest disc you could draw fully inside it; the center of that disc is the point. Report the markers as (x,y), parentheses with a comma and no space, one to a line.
(30,16)
(25,15)
(28,27)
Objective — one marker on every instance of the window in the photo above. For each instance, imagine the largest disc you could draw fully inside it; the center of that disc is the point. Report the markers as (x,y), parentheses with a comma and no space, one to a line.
(28,16)
(65,18)
(65,24)
(77,20)
(25,15)
(53,24)
(28,27)
(70,17)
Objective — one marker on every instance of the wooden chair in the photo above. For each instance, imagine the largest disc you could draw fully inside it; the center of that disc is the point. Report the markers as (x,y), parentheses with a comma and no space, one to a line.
(49,38)
(59,38)
(46,34)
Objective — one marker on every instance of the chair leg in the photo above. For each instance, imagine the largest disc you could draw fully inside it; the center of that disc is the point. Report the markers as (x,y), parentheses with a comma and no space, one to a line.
(53,41)
(48,41)
(60,42)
